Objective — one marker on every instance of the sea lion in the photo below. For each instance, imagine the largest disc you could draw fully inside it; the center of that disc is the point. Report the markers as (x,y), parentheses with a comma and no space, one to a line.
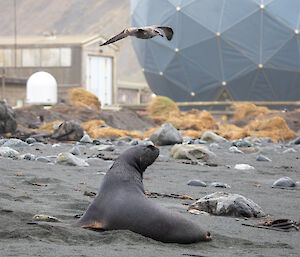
(122,204)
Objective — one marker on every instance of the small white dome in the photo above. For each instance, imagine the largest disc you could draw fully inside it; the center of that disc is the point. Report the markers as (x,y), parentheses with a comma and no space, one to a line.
(41,88)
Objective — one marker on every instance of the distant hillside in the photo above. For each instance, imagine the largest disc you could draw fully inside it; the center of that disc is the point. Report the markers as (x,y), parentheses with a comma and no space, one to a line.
(104,17)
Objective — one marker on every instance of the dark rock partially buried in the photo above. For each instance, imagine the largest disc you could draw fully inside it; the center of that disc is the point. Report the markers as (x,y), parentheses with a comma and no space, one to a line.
(8,121)
(227,204)
(68,130)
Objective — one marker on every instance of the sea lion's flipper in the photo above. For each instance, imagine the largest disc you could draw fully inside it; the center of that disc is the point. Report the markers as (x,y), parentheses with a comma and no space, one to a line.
(96,225)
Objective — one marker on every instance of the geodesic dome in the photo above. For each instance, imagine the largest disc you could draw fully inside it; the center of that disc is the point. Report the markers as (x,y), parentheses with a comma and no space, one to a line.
(222,49)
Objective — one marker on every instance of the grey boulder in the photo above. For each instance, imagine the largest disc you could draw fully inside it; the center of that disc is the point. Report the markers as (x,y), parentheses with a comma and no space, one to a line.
(227,204)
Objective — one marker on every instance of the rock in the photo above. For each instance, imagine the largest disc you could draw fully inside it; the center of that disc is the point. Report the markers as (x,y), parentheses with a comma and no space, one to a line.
(241,143)
(8,121)
(284,182)
(234,149)
(219,184)
(30,140)
(197,212)
(289,150)
(95,162)
(27,156)
(227,204)
(8,152)
(192,152)
(75,150)
(209,136)
(187,140)
(297,141)
(243,167)
(15,142)
(43,159)
(37,144)
(126,139)
(120,143)
(198,183)
(146,142)
(97,142)
(251,149)
(166,135)
(199,141)
(44,217)
(55,145)
(214,146)
(68,130)
(70,159)
(3,140)
(108,148)
(262,158)
(133,142)
(86,139)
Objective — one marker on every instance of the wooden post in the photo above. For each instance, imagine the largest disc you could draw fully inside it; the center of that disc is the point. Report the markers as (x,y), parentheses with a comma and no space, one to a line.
(3,83)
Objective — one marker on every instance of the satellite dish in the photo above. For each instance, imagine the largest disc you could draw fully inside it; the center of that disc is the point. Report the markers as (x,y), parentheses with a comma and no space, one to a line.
(41,88)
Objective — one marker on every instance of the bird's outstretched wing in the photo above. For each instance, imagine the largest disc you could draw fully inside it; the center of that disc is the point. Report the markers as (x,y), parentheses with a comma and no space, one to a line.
(167,30)
(115,38)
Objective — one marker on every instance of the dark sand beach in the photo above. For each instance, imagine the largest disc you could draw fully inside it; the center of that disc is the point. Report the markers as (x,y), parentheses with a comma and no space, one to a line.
(28,188)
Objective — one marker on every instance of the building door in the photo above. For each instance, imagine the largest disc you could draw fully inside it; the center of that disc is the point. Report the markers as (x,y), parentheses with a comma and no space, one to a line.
(99,78)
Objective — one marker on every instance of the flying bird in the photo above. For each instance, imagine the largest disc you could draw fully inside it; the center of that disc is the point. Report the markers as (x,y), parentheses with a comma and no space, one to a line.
(143,33)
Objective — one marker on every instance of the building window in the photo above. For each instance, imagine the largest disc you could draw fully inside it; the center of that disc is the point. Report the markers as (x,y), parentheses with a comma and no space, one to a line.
(6,57)
(31,57)
(36,57)
(50,57)
(65,57)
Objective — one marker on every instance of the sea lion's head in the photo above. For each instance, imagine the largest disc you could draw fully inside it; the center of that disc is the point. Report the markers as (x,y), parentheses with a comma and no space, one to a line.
(140,156)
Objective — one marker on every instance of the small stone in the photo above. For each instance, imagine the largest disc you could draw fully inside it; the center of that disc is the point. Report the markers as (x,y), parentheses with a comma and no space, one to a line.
(241,143)
(96,142)
(70,159)
(214,146)
(95,161)
(197,212)
(209,136)
(234,149)
(243,167)
(30,140)
(289,150)
(43,159)
(75,150)
(198,183)
(297,141)
(108,148)
(146,142)
(86,139)
(263,158)
(133,142)
(55,145)
(14,142)
(192,152)
(28,156)
(284,182)
(8,152)
(220,184)
(199,141)
(44,217)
